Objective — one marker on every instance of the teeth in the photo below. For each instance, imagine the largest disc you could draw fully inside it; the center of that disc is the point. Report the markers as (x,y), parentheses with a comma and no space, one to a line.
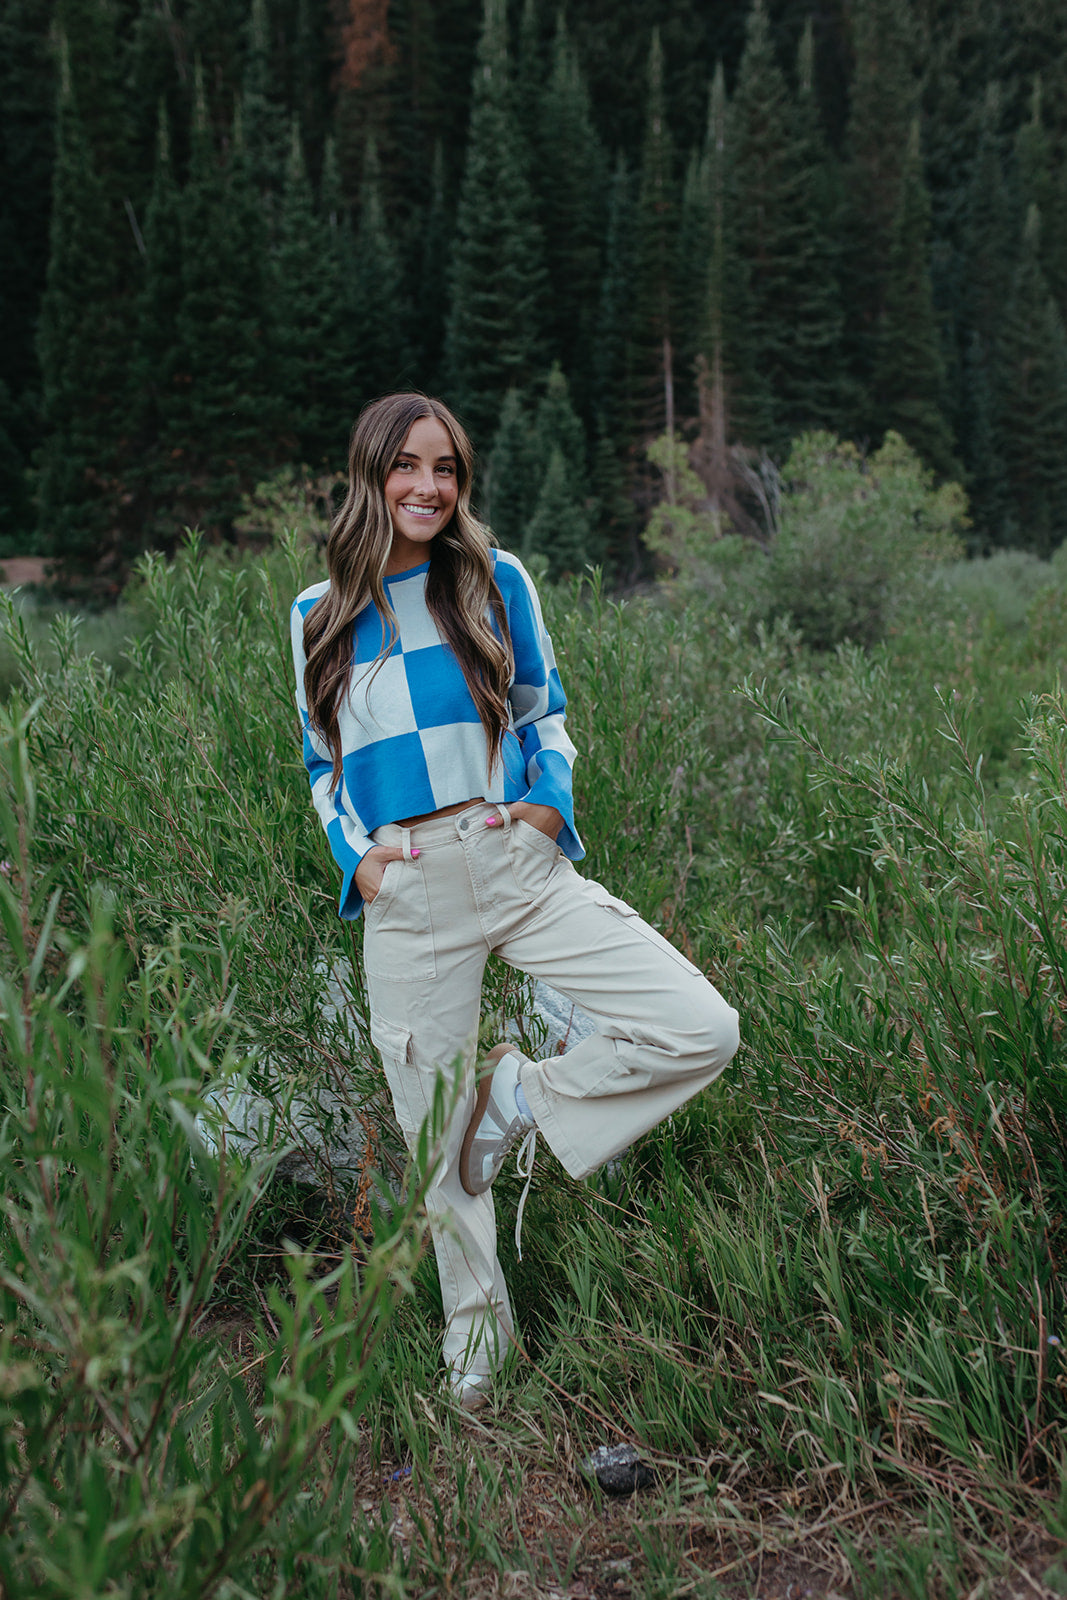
(420,511)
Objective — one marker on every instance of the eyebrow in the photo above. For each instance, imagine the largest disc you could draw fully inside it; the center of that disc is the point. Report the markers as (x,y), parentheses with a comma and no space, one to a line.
(412,455)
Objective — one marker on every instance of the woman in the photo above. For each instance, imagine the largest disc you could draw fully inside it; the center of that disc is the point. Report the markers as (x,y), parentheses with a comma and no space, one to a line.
(441,770)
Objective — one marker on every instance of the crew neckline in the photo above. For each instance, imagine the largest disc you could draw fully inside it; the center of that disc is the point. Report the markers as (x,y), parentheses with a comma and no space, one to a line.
(409,572)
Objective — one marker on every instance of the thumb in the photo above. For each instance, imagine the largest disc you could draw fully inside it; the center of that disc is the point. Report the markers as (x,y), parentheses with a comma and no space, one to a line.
(390,852)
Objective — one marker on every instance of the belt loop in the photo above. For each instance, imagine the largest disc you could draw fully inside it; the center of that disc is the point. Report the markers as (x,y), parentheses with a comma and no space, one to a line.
(503,811)
(405,840)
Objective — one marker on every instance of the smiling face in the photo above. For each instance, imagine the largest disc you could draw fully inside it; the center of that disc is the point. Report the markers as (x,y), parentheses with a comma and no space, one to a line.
(420,492)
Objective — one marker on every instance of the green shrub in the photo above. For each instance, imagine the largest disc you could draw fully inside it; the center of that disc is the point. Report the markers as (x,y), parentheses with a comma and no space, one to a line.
(139,1454)
(1003,586)
(855,540)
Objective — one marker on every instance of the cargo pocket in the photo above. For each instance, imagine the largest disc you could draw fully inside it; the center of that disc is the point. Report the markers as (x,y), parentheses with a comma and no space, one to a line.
(393,1044)
(398,939)
(634,920)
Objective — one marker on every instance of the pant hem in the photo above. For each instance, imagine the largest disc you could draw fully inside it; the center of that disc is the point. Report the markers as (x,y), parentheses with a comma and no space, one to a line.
(540,1100)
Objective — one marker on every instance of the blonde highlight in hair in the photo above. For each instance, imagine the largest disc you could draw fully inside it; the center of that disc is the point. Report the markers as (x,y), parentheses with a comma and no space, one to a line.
(461,592)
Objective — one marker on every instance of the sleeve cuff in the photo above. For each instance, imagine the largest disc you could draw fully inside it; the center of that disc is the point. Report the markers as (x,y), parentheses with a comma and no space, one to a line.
(549,790)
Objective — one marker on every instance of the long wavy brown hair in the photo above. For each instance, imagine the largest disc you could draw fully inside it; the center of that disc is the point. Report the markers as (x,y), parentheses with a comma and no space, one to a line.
(461,593)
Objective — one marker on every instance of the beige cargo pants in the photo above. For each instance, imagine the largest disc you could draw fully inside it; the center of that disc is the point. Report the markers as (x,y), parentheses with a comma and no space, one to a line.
(476,888)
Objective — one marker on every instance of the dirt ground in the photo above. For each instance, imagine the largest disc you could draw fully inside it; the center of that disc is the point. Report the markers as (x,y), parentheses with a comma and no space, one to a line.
(738,1540)
(756,1547)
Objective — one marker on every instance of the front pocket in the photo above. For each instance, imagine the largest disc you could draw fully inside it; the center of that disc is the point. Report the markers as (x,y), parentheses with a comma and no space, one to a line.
(398,942)
(634,919)
(385,887)
(532,856)
(534,836)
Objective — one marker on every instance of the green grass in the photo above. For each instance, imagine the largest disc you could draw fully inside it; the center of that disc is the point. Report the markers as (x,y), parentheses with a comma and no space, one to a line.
(826,1299)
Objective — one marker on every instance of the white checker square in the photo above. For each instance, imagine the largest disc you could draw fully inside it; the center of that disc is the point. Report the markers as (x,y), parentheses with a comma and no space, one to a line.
(418,631)
(456,761)
(378,706)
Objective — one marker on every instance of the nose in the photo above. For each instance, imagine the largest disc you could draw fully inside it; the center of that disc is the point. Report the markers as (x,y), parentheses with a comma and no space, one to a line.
(425,486)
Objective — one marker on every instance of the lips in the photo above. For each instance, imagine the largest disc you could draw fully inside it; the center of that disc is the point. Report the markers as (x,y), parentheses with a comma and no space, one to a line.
(419,511)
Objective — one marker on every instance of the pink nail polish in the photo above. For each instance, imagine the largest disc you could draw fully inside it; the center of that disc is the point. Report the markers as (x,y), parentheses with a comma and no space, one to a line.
(415,852)
(491,822)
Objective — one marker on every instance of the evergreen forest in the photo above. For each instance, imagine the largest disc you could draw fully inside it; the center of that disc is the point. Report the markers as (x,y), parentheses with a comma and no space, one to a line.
(226,224)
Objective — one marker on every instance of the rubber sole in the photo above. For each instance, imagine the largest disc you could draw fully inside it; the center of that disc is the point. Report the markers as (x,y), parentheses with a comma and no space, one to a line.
(481,1100)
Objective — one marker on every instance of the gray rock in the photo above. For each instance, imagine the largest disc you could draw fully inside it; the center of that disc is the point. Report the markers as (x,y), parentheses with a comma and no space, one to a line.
(323,1134)
(564,1023)
(618,1469)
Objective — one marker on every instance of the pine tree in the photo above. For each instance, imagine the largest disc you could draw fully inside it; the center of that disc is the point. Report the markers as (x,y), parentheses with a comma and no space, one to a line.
(1033,156)
(987,263)
(1031,428)
(379,317)
(1042,185)
(493,339)
(433,236)
(151,82)
(652,322)
(764,206)
(227,420)
(611,365)
(558,426)
(882,104)
(909,380)
(342,385)
(27,124)
(159,359)
(572,185)
(81,347)
(717,308)
(817,393)
(612,357)
(529,84)
(559,529)
(307,318)
(312,100)
(514,474)
(691,292)
(263,122)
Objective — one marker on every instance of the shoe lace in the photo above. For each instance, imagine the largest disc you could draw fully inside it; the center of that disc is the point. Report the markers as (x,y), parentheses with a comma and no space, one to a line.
(527,1151)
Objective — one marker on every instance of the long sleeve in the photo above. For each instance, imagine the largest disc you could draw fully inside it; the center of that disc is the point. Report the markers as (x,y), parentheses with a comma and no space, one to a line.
(349,839)
(538,703)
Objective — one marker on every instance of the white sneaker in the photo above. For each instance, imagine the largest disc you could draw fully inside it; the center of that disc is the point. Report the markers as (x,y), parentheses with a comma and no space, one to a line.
(495,1128)
(473,1393)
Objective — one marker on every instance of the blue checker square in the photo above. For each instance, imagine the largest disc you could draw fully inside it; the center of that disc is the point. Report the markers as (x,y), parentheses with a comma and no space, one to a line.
(438,689)
(390,777)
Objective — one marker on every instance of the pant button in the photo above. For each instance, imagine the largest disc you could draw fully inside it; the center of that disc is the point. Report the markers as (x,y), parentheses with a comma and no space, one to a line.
(464,825)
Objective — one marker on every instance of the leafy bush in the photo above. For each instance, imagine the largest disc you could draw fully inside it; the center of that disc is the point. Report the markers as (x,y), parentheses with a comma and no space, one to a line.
(855,539)
(1002,586)
(139,1454)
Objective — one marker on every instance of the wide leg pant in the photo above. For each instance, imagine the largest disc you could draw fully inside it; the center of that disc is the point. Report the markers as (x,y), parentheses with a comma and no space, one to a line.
(665,1033)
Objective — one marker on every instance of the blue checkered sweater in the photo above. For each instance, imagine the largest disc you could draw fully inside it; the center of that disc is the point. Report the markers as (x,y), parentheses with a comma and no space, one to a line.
(412,740)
